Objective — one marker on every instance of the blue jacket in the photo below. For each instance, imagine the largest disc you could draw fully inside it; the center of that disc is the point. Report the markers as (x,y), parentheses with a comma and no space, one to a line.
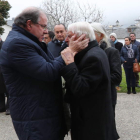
(130,61)
(137,43)
(33,81)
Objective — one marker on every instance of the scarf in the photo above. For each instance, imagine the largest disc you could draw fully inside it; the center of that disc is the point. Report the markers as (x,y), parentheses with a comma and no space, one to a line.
(115,41)
(130,51)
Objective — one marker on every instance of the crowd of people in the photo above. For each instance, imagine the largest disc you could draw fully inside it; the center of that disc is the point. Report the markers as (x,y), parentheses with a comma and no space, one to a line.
(64,80)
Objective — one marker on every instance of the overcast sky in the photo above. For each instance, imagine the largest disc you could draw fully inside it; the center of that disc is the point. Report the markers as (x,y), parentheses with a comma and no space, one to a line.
(126,11)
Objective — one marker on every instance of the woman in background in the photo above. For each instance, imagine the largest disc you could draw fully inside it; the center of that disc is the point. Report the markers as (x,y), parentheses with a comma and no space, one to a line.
(118,45)
(129,55)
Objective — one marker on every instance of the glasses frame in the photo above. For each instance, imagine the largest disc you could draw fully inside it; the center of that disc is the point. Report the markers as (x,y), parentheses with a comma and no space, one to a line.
(43,26)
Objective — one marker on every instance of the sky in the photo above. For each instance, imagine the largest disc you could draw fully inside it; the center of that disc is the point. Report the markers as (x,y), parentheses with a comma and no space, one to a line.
(125,11)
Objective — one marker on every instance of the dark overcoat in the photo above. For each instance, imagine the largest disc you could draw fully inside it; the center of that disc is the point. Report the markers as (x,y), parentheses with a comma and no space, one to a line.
(115,69)
(2,84)
(32,79)
(119,46)
(89,95)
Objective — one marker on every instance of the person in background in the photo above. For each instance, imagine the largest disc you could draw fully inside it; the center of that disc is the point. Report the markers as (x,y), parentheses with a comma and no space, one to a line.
(113,58)
(4,106)
(129,55)
(118,45)
(137,43)
(48,37)
(58,44)
(32,78)
(87,76)
(55,47)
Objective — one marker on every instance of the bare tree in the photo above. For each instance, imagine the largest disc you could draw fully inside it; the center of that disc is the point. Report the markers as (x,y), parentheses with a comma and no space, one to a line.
(68,11)
(89,12)
(59,11)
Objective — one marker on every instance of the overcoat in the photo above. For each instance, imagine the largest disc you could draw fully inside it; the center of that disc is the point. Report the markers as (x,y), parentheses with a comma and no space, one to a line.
(115,69)
(89,95)
(32,78)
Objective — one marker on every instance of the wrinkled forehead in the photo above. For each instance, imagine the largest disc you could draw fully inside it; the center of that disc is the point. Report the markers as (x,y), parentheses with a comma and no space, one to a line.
(70,33)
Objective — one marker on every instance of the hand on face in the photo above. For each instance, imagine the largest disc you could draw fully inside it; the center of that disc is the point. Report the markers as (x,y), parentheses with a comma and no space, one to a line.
(76,45)
(67,55)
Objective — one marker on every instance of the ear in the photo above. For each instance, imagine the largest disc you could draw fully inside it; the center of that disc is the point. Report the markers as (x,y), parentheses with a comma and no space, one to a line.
(29,25)
(102,36)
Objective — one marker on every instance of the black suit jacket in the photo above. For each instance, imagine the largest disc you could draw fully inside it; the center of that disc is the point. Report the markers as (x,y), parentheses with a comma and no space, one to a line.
(56,47)
(89,92)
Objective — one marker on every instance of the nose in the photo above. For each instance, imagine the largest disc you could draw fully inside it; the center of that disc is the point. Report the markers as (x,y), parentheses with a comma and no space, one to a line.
(59,33)
(67,39)
(45,31)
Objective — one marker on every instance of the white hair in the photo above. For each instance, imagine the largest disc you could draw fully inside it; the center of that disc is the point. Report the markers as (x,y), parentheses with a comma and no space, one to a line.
(80,28)
(98,27)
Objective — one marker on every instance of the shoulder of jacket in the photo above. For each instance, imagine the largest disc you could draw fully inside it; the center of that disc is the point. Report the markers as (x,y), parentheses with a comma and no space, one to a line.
(135,46)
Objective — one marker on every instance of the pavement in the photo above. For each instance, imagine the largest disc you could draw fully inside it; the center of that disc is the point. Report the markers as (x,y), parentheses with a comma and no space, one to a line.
(127,119)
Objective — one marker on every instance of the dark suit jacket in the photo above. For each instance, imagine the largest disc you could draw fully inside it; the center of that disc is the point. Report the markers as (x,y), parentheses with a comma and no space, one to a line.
(89,92)
(56,47)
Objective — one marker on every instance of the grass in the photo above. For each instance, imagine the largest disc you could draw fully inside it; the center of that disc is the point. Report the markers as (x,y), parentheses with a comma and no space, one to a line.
(123,84)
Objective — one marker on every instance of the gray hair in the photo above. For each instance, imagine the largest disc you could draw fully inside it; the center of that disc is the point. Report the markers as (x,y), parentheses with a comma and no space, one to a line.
(80,28)
(99,29)
(30,13)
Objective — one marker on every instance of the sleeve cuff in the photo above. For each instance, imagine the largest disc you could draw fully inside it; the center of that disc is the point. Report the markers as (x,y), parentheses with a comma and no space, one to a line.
(69,68)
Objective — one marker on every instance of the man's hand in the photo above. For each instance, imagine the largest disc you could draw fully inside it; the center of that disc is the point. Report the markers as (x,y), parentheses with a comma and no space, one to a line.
(78,44)
(67,56)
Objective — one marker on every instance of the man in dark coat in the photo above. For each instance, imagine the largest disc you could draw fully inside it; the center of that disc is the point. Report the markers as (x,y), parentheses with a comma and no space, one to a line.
(32,78)
(87,77)
(137,43)
(58,44)
(55,47)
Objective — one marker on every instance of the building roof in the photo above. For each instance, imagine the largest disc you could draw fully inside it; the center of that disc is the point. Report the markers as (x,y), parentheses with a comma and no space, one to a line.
(122,33)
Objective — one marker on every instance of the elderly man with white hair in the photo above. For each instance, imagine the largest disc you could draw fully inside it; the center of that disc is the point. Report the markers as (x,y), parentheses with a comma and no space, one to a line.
(87,76)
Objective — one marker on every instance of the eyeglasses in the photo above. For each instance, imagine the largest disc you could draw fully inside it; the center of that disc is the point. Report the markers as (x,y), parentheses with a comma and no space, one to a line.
(43,26)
